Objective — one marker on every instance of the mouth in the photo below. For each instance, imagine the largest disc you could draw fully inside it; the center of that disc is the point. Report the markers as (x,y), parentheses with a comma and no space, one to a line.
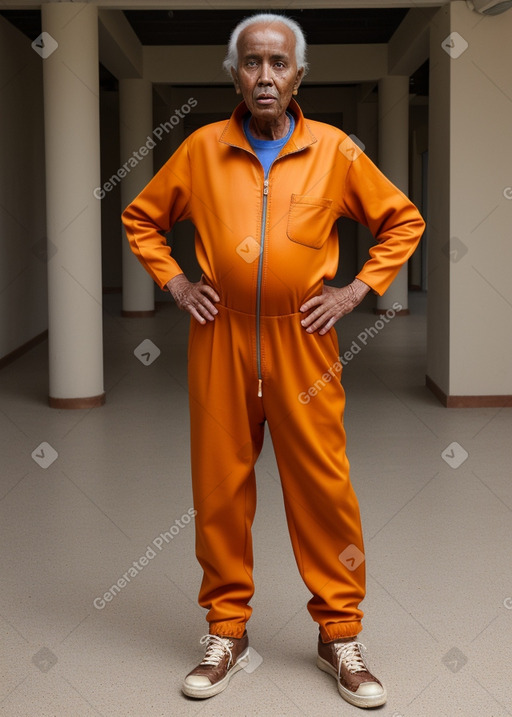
(265,100)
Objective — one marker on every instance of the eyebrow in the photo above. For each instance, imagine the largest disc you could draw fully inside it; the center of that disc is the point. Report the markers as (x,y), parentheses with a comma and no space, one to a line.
(256,56)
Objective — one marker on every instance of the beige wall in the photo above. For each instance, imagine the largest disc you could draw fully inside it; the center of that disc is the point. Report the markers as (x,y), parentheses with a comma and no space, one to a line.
(23,293)
(470,296)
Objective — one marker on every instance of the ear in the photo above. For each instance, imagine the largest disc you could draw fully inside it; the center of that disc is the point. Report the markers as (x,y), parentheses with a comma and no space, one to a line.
(235,80)
(298,80)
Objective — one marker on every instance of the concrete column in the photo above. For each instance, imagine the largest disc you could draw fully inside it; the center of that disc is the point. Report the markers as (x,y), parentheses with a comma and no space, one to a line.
(137,143)
(394,162)
(72,147)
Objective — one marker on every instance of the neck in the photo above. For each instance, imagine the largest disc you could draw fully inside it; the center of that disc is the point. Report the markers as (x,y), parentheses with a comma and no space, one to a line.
(273,129)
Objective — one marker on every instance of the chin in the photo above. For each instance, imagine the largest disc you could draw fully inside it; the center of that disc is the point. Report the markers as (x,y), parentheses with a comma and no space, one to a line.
(266,113)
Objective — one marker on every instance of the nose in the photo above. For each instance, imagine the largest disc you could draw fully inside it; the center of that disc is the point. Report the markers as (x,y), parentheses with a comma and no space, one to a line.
(265,75)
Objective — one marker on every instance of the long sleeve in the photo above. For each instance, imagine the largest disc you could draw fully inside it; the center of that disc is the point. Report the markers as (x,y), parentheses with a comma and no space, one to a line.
(394,221)
(163,202)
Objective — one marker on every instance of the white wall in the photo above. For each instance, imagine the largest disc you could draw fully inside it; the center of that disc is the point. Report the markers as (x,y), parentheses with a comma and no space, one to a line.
(470,295)
(23,292)
(481,216)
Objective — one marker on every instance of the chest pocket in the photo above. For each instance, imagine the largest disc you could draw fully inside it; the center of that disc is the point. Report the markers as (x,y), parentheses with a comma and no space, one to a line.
(310,220)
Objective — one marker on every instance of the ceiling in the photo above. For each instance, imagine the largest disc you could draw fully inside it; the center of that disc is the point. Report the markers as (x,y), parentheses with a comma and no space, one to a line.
(212,27)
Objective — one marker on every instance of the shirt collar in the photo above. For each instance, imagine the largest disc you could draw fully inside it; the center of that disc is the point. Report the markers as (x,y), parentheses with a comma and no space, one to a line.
(234,135)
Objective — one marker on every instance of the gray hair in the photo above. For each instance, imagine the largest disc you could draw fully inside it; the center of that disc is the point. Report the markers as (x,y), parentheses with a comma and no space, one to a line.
(231,59)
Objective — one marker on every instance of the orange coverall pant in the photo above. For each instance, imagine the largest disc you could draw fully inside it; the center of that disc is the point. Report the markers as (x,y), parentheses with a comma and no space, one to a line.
(227,426)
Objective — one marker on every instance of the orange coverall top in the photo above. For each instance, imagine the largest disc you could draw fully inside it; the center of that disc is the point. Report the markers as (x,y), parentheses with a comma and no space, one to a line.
(284,226)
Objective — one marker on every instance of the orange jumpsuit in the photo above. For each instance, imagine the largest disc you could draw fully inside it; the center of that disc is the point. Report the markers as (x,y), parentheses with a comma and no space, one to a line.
(266,248)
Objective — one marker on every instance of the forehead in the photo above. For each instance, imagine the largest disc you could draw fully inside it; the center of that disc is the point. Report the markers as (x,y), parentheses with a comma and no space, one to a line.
(266,39)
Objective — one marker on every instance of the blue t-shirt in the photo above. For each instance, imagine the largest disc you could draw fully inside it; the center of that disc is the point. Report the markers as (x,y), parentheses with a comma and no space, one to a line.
(267,149)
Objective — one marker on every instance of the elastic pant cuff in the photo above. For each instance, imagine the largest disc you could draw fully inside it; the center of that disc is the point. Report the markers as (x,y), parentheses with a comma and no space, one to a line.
(337,630)
(227,629)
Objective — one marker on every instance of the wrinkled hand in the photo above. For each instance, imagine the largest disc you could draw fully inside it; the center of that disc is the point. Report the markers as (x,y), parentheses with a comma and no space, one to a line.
(331,305)
(198,299)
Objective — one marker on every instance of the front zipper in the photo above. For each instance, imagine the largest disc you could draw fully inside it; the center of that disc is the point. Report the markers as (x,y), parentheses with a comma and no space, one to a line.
(258,288)
(262,245)
(260,270)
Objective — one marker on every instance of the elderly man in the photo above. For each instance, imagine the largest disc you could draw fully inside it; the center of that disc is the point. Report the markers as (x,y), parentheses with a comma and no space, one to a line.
(264,190)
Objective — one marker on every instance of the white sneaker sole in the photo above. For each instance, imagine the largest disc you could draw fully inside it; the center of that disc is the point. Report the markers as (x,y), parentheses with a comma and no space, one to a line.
(204,692)
(353,699)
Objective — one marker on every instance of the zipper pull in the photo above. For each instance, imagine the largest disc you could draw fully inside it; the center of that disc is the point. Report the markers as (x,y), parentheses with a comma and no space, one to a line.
(260,389)
(265,186)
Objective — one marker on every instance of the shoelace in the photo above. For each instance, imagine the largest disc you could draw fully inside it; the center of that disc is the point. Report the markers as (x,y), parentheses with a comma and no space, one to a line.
(350,654)
(216,647)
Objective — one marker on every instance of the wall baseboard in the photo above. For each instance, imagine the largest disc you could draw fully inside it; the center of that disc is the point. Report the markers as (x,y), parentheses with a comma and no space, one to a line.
(9,358)
(467,401)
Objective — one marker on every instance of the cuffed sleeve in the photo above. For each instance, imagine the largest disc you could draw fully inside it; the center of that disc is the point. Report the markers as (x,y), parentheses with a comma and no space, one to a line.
(164,201)
(371,199)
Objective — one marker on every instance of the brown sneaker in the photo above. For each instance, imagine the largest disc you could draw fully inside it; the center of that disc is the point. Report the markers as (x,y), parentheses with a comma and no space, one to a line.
(343,660)
(224,656)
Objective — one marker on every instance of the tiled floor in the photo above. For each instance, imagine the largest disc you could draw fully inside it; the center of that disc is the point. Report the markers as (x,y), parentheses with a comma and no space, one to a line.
(438,614)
